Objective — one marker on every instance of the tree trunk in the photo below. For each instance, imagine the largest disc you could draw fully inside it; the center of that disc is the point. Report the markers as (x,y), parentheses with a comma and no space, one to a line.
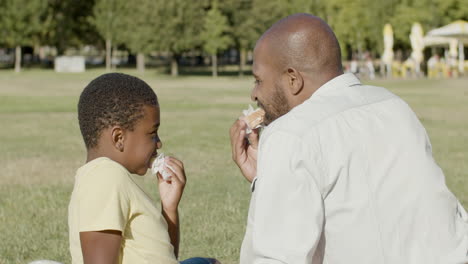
(113,56)
(174,66)
(214,64)
(140,59)
(108,54)
(18,59)
(243,55)
(36,53)
(42,55)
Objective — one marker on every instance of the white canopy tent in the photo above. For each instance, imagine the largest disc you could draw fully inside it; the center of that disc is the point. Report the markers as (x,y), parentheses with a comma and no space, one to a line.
(434,41)
(456,30)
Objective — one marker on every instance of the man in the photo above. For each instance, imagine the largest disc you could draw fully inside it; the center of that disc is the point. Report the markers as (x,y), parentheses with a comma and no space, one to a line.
(343,172)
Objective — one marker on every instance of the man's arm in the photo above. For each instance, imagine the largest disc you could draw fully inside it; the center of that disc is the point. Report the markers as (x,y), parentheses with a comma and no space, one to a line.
(101,247)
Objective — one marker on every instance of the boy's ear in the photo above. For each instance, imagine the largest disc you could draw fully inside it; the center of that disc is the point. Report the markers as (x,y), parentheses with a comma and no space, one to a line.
(117,134)
(295,81)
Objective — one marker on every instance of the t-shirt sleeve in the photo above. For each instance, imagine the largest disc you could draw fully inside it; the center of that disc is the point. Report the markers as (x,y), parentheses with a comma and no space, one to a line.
(103,203)
(289,212)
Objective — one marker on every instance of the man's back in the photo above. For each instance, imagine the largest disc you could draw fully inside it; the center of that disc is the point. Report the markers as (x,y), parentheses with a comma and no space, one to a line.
(357,165)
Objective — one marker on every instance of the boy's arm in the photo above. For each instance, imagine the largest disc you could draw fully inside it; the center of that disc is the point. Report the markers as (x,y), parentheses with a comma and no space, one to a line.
(171,193)
(101,246)
(172,219)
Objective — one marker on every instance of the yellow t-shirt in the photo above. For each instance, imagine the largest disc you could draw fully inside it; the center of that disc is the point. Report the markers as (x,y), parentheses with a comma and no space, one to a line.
(107,197)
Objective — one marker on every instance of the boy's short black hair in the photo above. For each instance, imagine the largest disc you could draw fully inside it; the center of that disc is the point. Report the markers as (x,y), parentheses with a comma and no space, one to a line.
(112,99)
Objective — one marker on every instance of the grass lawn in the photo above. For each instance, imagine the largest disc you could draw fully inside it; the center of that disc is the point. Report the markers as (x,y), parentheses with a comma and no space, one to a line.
(40,149)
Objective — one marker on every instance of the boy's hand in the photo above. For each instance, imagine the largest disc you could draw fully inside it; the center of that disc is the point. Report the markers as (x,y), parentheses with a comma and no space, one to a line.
(244,152)
(171,190)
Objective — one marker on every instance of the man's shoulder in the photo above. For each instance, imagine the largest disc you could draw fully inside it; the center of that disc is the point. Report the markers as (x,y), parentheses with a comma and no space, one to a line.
(288,129)
(307,118)
(328,104)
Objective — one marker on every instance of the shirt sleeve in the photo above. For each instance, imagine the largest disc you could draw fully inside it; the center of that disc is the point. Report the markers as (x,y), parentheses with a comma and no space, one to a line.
(289,211)
(103,202)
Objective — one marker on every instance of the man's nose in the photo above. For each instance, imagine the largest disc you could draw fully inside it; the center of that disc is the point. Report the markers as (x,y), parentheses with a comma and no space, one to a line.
(253,95)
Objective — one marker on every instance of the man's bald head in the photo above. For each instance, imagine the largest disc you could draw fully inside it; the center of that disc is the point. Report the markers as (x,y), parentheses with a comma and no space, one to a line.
(294,58)
(303,42)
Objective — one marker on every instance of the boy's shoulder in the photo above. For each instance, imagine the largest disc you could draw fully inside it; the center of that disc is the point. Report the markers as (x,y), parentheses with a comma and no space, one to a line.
(102,170)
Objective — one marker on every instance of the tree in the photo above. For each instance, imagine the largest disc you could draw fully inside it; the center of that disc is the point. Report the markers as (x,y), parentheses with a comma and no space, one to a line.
(267,12)
(214,34)
(136,32)
(450,10)
(178,25)
(305,6)
(355,23)
(248,20)
(19,21)
(242,30)
(406,13)
(107,14)
(65,24)
(430,14)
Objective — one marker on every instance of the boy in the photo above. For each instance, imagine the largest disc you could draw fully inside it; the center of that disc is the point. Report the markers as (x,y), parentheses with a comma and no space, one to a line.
(111,219)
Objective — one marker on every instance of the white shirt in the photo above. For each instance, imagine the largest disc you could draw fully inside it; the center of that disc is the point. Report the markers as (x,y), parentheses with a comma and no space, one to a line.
(348,177)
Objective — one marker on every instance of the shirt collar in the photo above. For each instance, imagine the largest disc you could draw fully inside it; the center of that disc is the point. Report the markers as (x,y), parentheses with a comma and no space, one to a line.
(343,80)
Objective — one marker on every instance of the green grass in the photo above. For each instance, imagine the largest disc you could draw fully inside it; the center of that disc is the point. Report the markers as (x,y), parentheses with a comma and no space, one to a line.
(40,149)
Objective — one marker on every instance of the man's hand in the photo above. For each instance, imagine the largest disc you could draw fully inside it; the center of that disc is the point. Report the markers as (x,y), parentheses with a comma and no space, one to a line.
(244,152)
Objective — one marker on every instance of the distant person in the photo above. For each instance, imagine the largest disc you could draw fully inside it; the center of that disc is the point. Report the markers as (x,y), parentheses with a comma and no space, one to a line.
(111,219)
(354,68)
(433,66)
(370,68)
(343,172)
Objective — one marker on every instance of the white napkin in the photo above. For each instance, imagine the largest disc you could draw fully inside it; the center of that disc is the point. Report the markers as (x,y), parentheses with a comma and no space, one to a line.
(160,165)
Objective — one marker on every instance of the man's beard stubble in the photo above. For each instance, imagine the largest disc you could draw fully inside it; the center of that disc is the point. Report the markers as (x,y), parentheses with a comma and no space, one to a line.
(278,106)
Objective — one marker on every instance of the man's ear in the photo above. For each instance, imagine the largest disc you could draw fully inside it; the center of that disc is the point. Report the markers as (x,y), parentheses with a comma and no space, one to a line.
(295,81)
(118,137)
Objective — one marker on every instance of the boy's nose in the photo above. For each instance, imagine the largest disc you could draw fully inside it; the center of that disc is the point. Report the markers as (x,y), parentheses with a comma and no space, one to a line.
(159,144)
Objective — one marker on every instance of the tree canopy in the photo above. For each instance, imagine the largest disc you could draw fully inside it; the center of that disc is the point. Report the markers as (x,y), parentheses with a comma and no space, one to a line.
(178,26)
